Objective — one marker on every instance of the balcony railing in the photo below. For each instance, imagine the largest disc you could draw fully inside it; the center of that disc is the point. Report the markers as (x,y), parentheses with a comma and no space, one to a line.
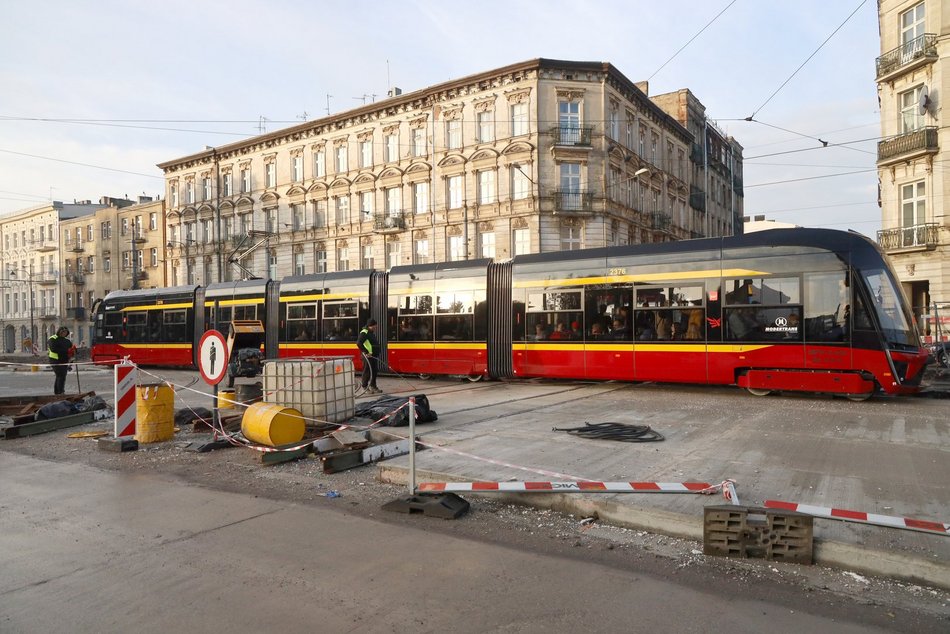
(78,313)
(924,235)
(571,201)
(922,140)
(76,247)
(572,135)
(697,198)
(49,277)
(43,245)
(391,222)
(661,221)
(920,48)
(76,278)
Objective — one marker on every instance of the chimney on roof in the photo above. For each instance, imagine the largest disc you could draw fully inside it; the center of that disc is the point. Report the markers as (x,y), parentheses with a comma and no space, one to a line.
(145,199)
(760,218)
(644,86)
(394,92)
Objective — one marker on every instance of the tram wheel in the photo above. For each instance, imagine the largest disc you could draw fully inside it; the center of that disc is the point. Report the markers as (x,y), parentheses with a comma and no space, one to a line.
(425,377)
(857,398)
(942,358)
(475,378)
(755,391)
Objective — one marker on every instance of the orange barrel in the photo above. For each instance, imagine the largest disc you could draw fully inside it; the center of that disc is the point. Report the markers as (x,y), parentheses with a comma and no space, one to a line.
(249,393)
(226,398)
(271,424)
(155,413)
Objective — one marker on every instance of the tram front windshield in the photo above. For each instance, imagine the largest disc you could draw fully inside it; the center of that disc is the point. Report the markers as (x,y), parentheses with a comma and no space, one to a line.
(896,323)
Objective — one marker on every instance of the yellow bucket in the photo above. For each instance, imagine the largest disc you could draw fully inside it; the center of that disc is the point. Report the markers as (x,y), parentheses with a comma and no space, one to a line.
(155,413)
(226,398)
(272,425)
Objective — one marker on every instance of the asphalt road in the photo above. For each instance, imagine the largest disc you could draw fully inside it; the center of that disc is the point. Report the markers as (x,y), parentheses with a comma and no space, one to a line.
(83,550)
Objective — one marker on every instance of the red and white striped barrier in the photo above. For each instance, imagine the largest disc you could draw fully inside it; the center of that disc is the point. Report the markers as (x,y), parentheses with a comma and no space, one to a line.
(565,487)
(891,521)
(125,381)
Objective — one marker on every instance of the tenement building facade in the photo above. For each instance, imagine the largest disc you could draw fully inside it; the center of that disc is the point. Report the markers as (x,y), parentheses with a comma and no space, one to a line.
(534,157)
(914,151)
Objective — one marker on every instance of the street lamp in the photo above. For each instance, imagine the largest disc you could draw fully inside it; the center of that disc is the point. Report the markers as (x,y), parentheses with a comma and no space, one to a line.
(33,346)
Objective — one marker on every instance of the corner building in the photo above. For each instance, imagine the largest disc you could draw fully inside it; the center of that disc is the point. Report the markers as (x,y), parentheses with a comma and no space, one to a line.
(539,156)
(913,152)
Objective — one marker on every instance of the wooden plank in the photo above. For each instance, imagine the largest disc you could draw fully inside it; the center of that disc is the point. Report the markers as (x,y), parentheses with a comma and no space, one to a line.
(52,424)
(277,457)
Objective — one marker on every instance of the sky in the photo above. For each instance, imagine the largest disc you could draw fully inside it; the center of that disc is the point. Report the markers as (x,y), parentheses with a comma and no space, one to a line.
(93,94)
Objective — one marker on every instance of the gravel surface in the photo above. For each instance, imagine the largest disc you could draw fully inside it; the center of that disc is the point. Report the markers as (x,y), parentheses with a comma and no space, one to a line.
(883,603)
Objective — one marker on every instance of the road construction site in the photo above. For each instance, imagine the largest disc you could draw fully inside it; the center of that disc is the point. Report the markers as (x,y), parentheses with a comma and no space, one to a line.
(885,457)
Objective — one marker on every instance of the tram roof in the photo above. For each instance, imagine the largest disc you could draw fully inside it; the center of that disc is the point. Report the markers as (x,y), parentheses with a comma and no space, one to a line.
(138,294)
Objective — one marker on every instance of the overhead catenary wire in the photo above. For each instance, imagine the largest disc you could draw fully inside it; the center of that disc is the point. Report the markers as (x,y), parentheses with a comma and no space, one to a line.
(690,41)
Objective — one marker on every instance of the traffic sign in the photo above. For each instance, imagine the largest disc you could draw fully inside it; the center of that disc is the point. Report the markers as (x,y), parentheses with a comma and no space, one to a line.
(213,357)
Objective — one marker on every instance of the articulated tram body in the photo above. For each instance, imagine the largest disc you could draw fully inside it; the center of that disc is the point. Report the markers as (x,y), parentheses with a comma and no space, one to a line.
(804,309)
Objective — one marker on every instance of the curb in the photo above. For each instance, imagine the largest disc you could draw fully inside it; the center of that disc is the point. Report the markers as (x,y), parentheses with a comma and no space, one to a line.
(826,553)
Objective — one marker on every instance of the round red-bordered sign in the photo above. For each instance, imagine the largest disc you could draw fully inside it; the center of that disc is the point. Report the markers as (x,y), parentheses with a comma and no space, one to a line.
(213,357)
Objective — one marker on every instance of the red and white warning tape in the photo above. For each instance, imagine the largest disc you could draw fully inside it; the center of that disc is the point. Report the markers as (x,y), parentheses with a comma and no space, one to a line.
(567,487)
(890,521)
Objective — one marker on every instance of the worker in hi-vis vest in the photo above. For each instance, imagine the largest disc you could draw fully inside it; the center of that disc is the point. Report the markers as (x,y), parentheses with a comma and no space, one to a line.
(369,348)
(61,351)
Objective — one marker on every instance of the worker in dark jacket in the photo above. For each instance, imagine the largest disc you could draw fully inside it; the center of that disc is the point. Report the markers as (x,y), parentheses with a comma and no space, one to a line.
(61,351)
(369,348)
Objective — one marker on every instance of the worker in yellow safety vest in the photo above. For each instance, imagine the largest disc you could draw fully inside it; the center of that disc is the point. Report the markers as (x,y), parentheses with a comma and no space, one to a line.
(61,351)
(368,345)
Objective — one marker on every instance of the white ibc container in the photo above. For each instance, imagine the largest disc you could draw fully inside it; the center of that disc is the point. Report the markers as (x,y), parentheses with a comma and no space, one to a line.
(321,389)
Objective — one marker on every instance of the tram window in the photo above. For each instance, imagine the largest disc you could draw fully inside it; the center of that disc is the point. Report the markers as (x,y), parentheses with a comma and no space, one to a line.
(136,324)
(771,291)
(555,316)
(176,327)
(155,325)
(301,322)
(340,321)
(454,316)
(415,318)
(112,328)
(602,306)
(248,312)
(827,307)
(669,313)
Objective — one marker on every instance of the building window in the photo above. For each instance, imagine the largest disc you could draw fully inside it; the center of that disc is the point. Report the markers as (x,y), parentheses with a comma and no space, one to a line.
(393,254)
(913,211)
(297,217)
(296,168)
(206,188)
(520,185)
(320,259)
(420,197)
(226,228)
(367,259)
(453,134)
(91,264)
(456,249)
(190,192)
(341,159)
(152,223)
(343,210)
(486,187)
(570,183)
(245,180)
(366,153)
(343,259)
(419,142)
(392,148)
(614,121)
(226,183)
(456,193)
(654,141)
(520,242)
(569,121)
(641,142)
(630,137)
(319,214)
(570,238)
(271,264)
(270,221)
(107,263)
(319,163)
(123,228)
(366,205)
(912,25)
(270,175)
(173,194)
(422,251)
(153,257)
(487,245)
(485,126)
(299,267)
(519,119)
(911,119)
(393,201)
(89,233)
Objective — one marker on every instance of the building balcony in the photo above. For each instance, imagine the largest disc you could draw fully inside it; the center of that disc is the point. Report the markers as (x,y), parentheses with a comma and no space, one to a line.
(48,313)
(907,146)
(918,52)
(78,313)
(572,135)
(76,247)
(916,238)
(76,278)
(137,274)
(49,277)
(573,202)
(389,223)
(661,221)
(697,198)
(42,246)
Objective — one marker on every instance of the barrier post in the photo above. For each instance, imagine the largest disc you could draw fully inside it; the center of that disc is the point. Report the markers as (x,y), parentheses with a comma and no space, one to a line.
(412,445)
(126,378)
